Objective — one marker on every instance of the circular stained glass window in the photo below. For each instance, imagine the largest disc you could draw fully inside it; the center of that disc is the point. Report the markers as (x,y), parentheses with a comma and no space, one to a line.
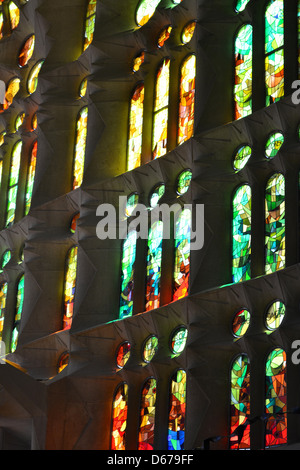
(178,340)
(188,32)
(241,157)
(131,204)
(156,194)
(274,144)
(274,315)
(123,354)
(240,323)
(150,348)
(184,181)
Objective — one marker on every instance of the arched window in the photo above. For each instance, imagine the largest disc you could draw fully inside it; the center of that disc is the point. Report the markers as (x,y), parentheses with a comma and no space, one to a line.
(80,144)
(147,415)
(145,11)
(119,417)
(160,115)
(275,224)
(135,128)
(276,399)
(187,99)
(70,287)
(182,254)
(3,292)
(240,403)
(154,265)
(32,80)
(18,314)
(177,407)
(274,51)
(14,15)
(13,183)
(90,23)
(30,177)
(128,260)
(241,234)
(26,51)
(243,72)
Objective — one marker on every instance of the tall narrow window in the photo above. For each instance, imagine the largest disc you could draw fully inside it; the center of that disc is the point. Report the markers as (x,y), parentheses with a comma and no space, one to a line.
(182,254)
(30,178)
(128,260)
(241,234)
(119,417)
(3,292)
(276,399)
(160,117)
(274,51)
(154,265)
(80,144)
(177,407)
(135,128)
(18,314)
(70,287)
(1,24)
(26,51)
(13,183)
(147,415)
(14,15)
(187,99)
(90,23)
(243,72)
(275,224)
(240,403)
(145,11)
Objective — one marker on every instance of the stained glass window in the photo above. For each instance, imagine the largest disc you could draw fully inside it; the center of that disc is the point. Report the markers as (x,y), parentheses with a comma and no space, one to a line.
(241,157)
(182,254)
(188,32)
(83,87)
(241,234)
(241,5)
(150,348)
(131,204)
(32,81)
(276,396)
(70,287)
(18,314)
(13,183)
(145,11)
(11,91)
(183,182)
(274,53)
(274,315)
(127,277)
(157,194)
(160,116)
(240,403)
(176,431)
(1,24)
(147,415)
(14,15)
(90,23)
(241,323)
(3,292)
(135,128)
(80,145)
(243,72)
(187,99)
(274,144)
(178,340)
(63,361)
(26,51)
(275,224)
(34,122)
(119,417)
(5,259)
(123,354)
(154,265)
(74,221)
(19,121)
(138,61)
(164,36)
(30,178)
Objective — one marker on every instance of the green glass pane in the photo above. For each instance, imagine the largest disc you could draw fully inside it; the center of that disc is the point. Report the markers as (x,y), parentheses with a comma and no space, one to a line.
(154,257)
(3,293)
(131,204)
(241,157)
(18,314)
(274,25)
(184,181)
(150,348)
(13,183)
(274,315)
(127,277)
(156,195)
(241,234)
(177,409)
(32,80)
(274,144)
(90,23)
(240,403)
(178,340)
(243,72)
(181,271)
(241,5)
(275,224)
